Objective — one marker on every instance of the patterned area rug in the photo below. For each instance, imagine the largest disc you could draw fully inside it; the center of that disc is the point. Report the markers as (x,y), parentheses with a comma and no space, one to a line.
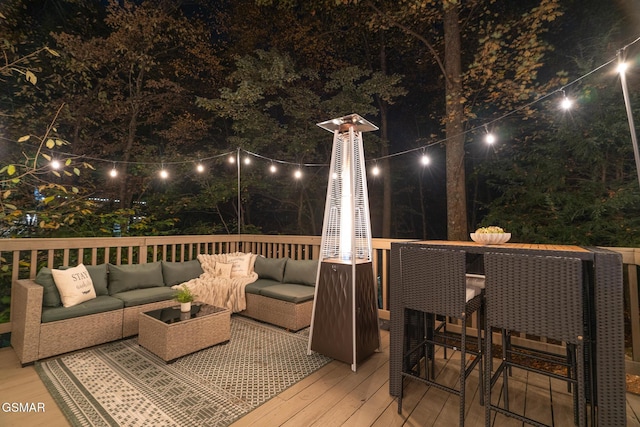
(123,384)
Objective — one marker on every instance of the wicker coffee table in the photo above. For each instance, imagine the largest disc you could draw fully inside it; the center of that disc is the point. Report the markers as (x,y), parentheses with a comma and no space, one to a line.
(169,333)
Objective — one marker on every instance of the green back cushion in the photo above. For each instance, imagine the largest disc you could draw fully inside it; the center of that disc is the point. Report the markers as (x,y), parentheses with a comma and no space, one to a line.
(51,296)
(301,272)
(98,275)
(134,276)
(270,268)
(175,273)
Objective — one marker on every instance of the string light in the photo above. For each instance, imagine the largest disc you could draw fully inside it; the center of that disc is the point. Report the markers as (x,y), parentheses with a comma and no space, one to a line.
(622,67)
(566,103)
(114,172)
(425,160)
(489,138)
(247,160)
(164,174)
(375,170)
(199,167)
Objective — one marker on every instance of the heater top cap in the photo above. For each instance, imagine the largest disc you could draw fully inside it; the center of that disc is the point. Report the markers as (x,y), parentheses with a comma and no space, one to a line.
(344,123)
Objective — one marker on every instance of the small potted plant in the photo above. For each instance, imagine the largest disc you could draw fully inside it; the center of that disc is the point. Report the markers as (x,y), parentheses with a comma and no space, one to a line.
(185,297)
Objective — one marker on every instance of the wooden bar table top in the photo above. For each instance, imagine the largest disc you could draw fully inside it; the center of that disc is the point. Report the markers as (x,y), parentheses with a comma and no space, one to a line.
(546,249)
(604,305)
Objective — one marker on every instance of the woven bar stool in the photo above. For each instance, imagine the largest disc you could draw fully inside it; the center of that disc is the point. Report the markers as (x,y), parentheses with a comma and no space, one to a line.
(434,286)
(539,295)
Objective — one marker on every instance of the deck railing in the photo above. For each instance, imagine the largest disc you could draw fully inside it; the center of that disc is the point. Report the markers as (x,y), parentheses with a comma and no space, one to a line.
(22,258)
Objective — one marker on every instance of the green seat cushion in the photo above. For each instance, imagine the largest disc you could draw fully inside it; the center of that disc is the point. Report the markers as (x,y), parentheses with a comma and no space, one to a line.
(134,276)
(288,292)
(93,306)
(257,286)
(50,295)
(270,268)
(301,272)
(175,273)
(145,296)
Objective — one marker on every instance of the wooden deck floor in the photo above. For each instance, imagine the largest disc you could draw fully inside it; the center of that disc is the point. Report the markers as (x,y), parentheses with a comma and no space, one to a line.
(335,396)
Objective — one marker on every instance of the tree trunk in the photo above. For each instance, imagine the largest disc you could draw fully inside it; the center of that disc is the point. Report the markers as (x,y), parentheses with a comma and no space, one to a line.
(384,151)
(456,190)
(134,90)
(386,176)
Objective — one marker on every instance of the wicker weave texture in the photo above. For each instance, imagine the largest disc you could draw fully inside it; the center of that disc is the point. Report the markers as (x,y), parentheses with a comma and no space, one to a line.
(609,338)
(79,332)
(603,284)
(26,311)
(285,314)
(433,280)
(173,340)
(397,323)
(538,295)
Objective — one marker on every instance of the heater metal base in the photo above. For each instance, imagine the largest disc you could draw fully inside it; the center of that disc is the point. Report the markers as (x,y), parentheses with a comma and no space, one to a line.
(333,332)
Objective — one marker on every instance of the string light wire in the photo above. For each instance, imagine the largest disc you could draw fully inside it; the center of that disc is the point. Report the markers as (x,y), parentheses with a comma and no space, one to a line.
(232,158)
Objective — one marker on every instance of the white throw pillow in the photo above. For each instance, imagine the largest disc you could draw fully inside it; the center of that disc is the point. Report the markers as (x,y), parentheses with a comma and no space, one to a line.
(223,270)
(241,264)
(74,285)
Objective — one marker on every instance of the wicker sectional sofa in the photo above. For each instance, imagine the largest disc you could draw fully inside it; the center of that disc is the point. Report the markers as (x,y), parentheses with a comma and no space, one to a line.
(42,327)
(283,294)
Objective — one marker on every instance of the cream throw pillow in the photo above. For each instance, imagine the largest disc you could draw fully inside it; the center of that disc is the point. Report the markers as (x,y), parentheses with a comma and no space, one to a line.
(74,285)
(223,270)
(241,264)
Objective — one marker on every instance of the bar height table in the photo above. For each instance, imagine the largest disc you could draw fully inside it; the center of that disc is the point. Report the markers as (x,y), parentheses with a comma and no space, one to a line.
(604,318)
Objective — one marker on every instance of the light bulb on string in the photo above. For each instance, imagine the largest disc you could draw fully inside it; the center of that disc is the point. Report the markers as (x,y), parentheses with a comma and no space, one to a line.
(247,160)
(273,168)
(622,67)
(232,159)
(566,102)
(113,172)
(375,170)
(164,174)
(425,160)
(55,164)
(489,138)
(199,167)
(298,173)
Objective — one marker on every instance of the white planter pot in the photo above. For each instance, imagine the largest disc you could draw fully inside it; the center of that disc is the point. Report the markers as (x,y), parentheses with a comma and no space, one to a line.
(185,306)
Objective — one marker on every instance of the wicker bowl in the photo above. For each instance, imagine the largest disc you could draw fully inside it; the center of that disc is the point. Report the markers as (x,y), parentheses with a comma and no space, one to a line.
(490,238)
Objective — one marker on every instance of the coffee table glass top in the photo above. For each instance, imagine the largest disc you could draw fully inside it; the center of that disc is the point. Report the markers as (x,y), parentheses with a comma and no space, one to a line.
(173,314)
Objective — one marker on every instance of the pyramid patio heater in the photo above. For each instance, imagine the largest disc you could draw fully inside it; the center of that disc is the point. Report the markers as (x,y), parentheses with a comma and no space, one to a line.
(344,324)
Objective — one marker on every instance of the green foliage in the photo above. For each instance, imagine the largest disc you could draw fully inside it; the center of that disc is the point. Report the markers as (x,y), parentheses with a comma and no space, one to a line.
(142,83)
(184,294)
(571,182)
(570,177)
(272,106)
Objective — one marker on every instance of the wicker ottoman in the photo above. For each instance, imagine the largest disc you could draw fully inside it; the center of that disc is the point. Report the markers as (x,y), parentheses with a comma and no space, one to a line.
(170,334)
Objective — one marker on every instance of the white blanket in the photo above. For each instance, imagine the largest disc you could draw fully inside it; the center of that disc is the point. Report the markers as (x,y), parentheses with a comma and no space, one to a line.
(219,291)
